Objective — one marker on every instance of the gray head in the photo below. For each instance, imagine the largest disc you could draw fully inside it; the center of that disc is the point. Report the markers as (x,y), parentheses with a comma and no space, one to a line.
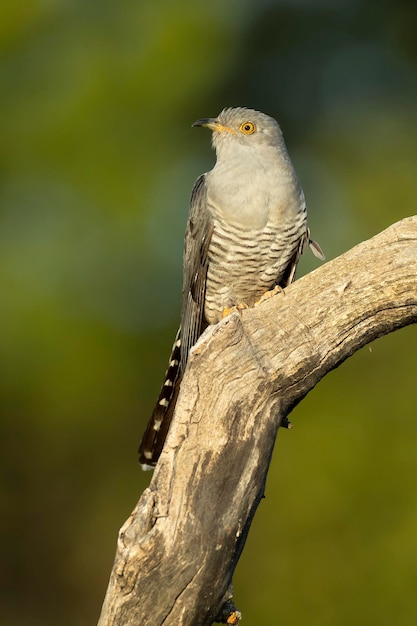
(245,126)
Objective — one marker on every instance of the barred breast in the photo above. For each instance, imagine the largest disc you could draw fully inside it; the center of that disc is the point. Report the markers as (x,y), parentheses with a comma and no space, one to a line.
(244,264)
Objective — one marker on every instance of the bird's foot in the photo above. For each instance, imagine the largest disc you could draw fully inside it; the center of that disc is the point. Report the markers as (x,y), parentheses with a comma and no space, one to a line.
(237,307)
(269,294)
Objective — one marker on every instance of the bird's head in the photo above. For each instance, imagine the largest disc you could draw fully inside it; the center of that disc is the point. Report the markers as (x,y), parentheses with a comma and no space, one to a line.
(247,127)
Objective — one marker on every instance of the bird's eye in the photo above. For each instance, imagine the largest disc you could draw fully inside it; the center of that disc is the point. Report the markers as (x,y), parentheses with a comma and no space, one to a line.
(247,128)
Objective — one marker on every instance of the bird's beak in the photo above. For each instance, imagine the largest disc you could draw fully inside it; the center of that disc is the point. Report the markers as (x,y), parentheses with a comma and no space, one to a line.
(207,122)
(213,124)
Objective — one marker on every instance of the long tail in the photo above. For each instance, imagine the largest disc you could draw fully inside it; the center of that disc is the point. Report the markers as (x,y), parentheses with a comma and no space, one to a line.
(153,438)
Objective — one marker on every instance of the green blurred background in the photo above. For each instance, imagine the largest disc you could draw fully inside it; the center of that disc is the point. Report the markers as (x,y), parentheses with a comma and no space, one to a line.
(97,161)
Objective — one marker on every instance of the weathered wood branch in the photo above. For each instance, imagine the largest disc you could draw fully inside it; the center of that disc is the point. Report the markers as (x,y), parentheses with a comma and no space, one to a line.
(177,552)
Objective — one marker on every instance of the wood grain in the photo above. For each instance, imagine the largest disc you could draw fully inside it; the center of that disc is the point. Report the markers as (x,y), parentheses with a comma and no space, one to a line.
(177,552)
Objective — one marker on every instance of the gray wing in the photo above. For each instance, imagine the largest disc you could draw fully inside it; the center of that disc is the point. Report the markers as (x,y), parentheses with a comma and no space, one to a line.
(197,240)
(305,240)
(315,247)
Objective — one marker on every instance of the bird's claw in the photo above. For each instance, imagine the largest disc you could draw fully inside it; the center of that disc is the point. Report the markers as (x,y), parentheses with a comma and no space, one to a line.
(269,294)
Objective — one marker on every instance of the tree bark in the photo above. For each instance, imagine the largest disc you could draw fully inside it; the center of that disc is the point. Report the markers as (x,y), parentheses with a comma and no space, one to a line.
(177,552)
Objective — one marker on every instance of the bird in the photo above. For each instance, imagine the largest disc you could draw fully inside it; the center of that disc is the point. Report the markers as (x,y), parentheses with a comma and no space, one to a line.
(246,229)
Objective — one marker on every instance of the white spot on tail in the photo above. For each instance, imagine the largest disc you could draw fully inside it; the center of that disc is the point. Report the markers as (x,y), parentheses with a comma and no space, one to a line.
(147,468)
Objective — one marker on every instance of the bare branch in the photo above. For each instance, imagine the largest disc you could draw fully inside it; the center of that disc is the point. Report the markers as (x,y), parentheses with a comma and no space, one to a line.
(178,550)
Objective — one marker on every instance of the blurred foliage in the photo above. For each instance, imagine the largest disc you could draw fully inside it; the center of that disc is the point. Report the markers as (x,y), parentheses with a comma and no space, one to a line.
(97,161)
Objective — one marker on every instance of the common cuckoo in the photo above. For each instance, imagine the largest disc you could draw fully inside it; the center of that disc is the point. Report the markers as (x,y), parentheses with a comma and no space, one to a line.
(246,229)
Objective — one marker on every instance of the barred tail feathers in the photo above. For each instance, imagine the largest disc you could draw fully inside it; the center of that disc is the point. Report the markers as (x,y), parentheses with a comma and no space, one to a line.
(157,429)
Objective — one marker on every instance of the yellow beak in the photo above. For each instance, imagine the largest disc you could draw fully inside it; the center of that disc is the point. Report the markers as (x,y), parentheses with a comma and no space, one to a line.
(214,125)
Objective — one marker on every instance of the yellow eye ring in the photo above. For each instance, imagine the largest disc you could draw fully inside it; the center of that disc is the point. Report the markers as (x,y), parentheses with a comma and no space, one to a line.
(247,128)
